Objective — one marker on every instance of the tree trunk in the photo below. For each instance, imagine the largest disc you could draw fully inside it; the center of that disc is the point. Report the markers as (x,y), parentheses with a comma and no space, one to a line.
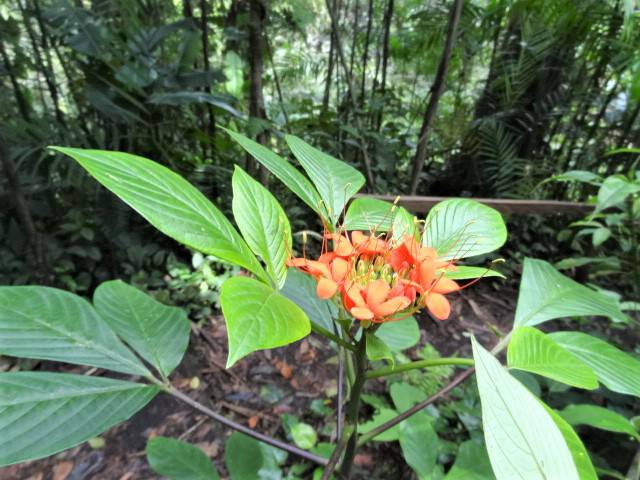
(436,91)
(388,14)
(365,53)
(331,61)
(204,27)
(256,67)
(23,106)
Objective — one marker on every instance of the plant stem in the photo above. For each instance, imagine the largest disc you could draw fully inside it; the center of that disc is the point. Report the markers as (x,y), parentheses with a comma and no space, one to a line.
(432,362)
(353,406)
(331,336)
(241,428)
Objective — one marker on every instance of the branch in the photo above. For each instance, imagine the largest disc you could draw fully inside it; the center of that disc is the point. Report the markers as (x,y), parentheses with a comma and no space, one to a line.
(416,408)
(433,362)
(246,430)
(327,334)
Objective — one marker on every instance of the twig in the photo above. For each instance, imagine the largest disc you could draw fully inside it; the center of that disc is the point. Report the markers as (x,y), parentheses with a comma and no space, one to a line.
(416,408)
(340,419)
(193,427)
(243,429)
(326,333)
(335,457)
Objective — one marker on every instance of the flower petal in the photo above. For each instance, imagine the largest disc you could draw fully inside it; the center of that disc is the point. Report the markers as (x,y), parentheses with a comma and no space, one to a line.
(445,285)
(352,291)
(438,305)
(362,313)
(377,292)
(326,288)
(339,269)
(395,305)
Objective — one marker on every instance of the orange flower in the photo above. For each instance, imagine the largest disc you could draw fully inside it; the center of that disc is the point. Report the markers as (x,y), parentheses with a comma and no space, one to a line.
(378,280)
(376,302)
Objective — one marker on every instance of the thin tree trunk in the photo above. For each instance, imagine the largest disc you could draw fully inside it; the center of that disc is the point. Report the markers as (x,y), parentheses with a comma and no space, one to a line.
(436,91)
(365,53)
(276,79)
(327,82)
(256,68)
(48,74)
(388,14)
(204,27)
(354,40)
(23,106)
(366,161)
(20,203)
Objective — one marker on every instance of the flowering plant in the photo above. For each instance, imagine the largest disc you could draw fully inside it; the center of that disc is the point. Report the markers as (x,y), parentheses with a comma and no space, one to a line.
(378,265)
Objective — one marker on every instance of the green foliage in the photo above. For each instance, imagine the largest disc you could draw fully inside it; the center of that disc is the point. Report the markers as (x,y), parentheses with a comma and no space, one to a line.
(169,203)
(522,439)
(599,417)
(259,317)
(178,460)
(159,333)
(49,403)
(263,224)
(533,351)
(461,228)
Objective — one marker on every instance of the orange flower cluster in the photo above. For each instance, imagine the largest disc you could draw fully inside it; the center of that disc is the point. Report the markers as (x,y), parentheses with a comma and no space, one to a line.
(379,280)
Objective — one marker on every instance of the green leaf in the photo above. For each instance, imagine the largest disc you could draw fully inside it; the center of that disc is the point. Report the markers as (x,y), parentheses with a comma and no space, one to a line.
(472,463)
(381,416)
(168,202)
(400,335)
(576,447)
(614,190)
(460,228)
(405,396)
(373,215)
(263,224)
(546,294)
(284,171)
(188,98)
(582,176)
(44,413)
(420,444)
(258,318)
(522,439)
(178,460)
(377,349)
(51,324)
(600,235)
(336,181)
(616,369)
(533,351)
(464,272)
(160,334)
(304,435)
(300,288)
(249,459)
(599,417)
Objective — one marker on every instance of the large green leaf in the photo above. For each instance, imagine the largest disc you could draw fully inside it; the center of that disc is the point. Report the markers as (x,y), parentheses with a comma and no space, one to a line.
(168,202)
(300,288)
(284,171)
(522,439)
(616,369)
(178,460)
(460,228)
(533,351)
(546,294)
(373,215)
(615,190)
(472,463)
(249,459)
(464,272)
(43,413)
(419,444)
(399,335)
(159,333)
(259,317)
(336,181)
(599,417)
(576,447)
(263,224)
(51,324)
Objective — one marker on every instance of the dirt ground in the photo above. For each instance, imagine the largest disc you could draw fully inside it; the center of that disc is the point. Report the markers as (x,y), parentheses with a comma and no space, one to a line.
(297,374)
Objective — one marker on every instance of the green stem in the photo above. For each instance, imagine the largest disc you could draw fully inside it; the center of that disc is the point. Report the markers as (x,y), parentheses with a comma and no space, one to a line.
(433,362)
(331,336)
(353,406)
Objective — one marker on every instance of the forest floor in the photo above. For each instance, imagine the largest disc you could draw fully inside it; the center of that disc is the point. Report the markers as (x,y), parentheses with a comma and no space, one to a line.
(258,391)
